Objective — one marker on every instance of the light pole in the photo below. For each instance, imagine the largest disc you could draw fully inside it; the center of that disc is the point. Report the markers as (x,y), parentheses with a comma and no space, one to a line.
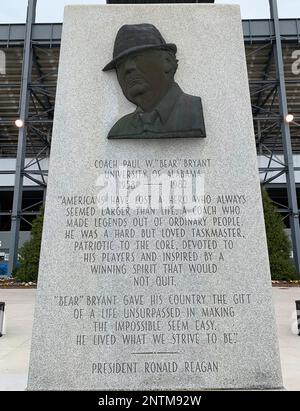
(286,137)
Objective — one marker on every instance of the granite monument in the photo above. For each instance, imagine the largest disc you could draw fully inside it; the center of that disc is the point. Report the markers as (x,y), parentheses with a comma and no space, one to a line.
(154,270)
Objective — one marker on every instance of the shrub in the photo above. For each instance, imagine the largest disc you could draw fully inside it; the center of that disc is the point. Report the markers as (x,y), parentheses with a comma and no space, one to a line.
(30,253)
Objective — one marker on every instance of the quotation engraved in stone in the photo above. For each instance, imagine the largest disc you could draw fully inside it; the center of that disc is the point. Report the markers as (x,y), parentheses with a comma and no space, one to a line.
(145,66)
(160,272)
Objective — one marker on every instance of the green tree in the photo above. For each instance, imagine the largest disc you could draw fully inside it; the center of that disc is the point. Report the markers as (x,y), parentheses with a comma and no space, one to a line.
(30,253)
(279,245)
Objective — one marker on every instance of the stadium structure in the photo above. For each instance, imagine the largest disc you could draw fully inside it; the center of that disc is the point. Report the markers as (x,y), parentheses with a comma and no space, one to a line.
(29,59)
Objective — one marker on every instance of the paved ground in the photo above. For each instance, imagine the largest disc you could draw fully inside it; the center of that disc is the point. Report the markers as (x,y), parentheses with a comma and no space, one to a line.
(15,345)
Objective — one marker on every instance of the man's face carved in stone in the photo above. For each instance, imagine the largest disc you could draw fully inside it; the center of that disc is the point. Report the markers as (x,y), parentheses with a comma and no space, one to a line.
(144,78)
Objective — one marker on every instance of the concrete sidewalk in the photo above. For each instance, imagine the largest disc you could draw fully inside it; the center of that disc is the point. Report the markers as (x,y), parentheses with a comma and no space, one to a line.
(15,345)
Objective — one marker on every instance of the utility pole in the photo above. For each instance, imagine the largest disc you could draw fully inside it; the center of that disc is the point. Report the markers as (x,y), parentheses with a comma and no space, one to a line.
(24,101)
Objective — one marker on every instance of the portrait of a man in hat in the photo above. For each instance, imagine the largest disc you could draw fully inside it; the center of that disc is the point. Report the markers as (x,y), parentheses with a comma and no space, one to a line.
(145,66)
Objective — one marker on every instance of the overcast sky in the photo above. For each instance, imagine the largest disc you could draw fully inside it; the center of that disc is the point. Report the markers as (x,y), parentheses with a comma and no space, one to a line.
(14,11)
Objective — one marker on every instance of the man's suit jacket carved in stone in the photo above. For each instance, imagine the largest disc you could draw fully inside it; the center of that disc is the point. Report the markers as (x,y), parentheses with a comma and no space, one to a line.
(178,115)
